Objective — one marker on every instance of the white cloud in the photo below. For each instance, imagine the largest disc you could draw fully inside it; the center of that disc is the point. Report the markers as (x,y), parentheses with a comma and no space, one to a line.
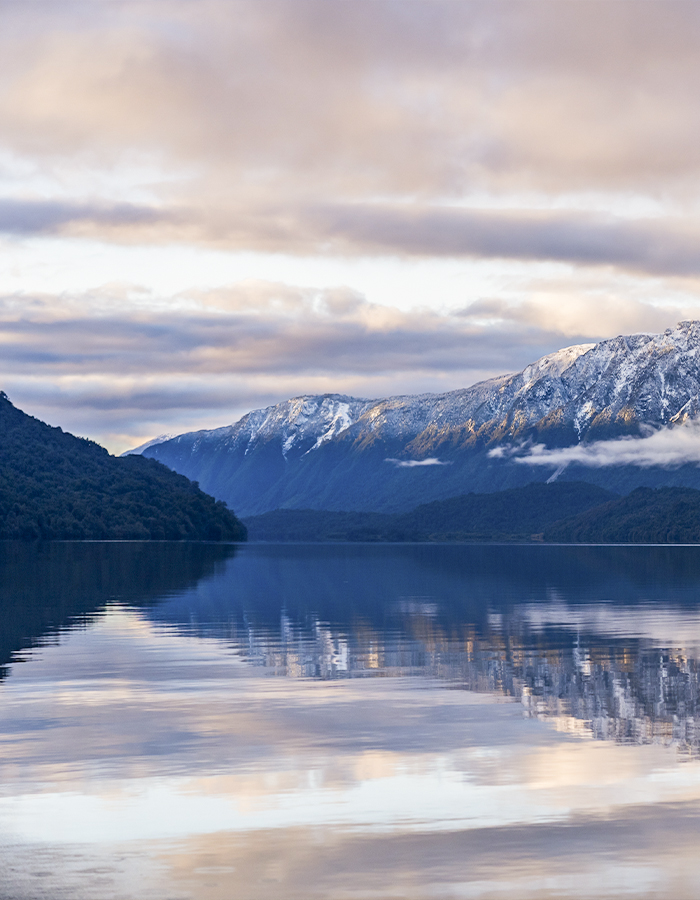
(191,146)
(411,463)
(668,447)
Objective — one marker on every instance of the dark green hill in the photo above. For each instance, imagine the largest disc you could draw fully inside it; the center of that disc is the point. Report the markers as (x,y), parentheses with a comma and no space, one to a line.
(506,515)
(519,511)
(322,525)
(57,486)
(668,515)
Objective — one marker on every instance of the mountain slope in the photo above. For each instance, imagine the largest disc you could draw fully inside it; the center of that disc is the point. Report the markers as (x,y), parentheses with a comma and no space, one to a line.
(55,485)
(336,452)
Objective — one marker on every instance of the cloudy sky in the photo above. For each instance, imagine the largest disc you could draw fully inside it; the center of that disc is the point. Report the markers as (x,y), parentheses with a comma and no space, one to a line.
(211,205)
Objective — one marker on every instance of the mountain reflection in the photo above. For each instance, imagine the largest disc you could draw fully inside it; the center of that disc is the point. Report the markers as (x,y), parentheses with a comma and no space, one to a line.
(605,641)
(45,587)
(623,691)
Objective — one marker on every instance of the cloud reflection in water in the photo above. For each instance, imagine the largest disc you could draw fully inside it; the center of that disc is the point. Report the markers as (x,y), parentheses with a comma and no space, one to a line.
(233,756)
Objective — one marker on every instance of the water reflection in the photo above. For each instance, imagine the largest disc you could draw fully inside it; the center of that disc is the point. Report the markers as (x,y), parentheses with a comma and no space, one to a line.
(623,692)
(331,723)
(45,587)
(607,637)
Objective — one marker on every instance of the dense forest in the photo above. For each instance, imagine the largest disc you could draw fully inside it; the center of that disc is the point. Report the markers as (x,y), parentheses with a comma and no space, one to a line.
(669,515)
(57,486)
(562,512)
(515,514)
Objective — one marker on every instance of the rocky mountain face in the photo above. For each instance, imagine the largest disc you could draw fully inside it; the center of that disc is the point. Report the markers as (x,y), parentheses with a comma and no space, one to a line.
(338,452)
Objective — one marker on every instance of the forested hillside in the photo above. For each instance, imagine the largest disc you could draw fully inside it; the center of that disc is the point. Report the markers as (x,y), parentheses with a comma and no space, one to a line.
(57,486)
(562,512)
(661,516)
(505,515)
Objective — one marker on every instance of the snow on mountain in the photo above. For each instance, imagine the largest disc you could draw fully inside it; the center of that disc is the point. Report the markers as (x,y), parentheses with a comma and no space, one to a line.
(161,439)
(332,449)
(299,426)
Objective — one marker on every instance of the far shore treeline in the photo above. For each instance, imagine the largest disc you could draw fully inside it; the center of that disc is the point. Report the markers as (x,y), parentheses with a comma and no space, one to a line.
(54,486)
(562,512)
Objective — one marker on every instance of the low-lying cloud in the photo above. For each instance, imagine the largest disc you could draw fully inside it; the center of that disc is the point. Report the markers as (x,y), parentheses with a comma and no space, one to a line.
(668,447)
(413,463)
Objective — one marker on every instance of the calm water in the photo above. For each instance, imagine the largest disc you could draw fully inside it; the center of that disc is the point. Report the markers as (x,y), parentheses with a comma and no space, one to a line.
(346,722)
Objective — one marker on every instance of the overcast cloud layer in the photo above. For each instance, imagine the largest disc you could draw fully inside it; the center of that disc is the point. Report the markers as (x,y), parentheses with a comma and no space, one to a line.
(537,160)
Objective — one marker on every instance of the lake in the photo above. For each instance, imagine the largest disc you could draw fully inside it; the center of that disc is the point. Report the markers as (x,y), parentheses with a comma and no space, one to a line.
(348,722)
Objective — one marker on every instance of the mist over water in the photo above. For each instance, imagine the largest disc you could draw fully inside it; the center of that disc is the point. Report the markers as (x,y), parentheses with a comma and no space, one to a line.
(336,721)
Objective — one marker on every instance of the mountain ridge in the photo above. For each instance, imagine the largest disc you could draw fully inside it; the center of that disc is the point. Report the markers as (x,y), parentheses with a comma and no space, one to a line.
(332,451)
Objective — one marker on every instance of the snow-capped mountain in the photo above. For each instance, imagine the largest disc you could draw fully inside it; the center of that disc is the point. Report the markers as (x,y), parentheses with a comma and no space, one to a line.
(337,452)
(300,425)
